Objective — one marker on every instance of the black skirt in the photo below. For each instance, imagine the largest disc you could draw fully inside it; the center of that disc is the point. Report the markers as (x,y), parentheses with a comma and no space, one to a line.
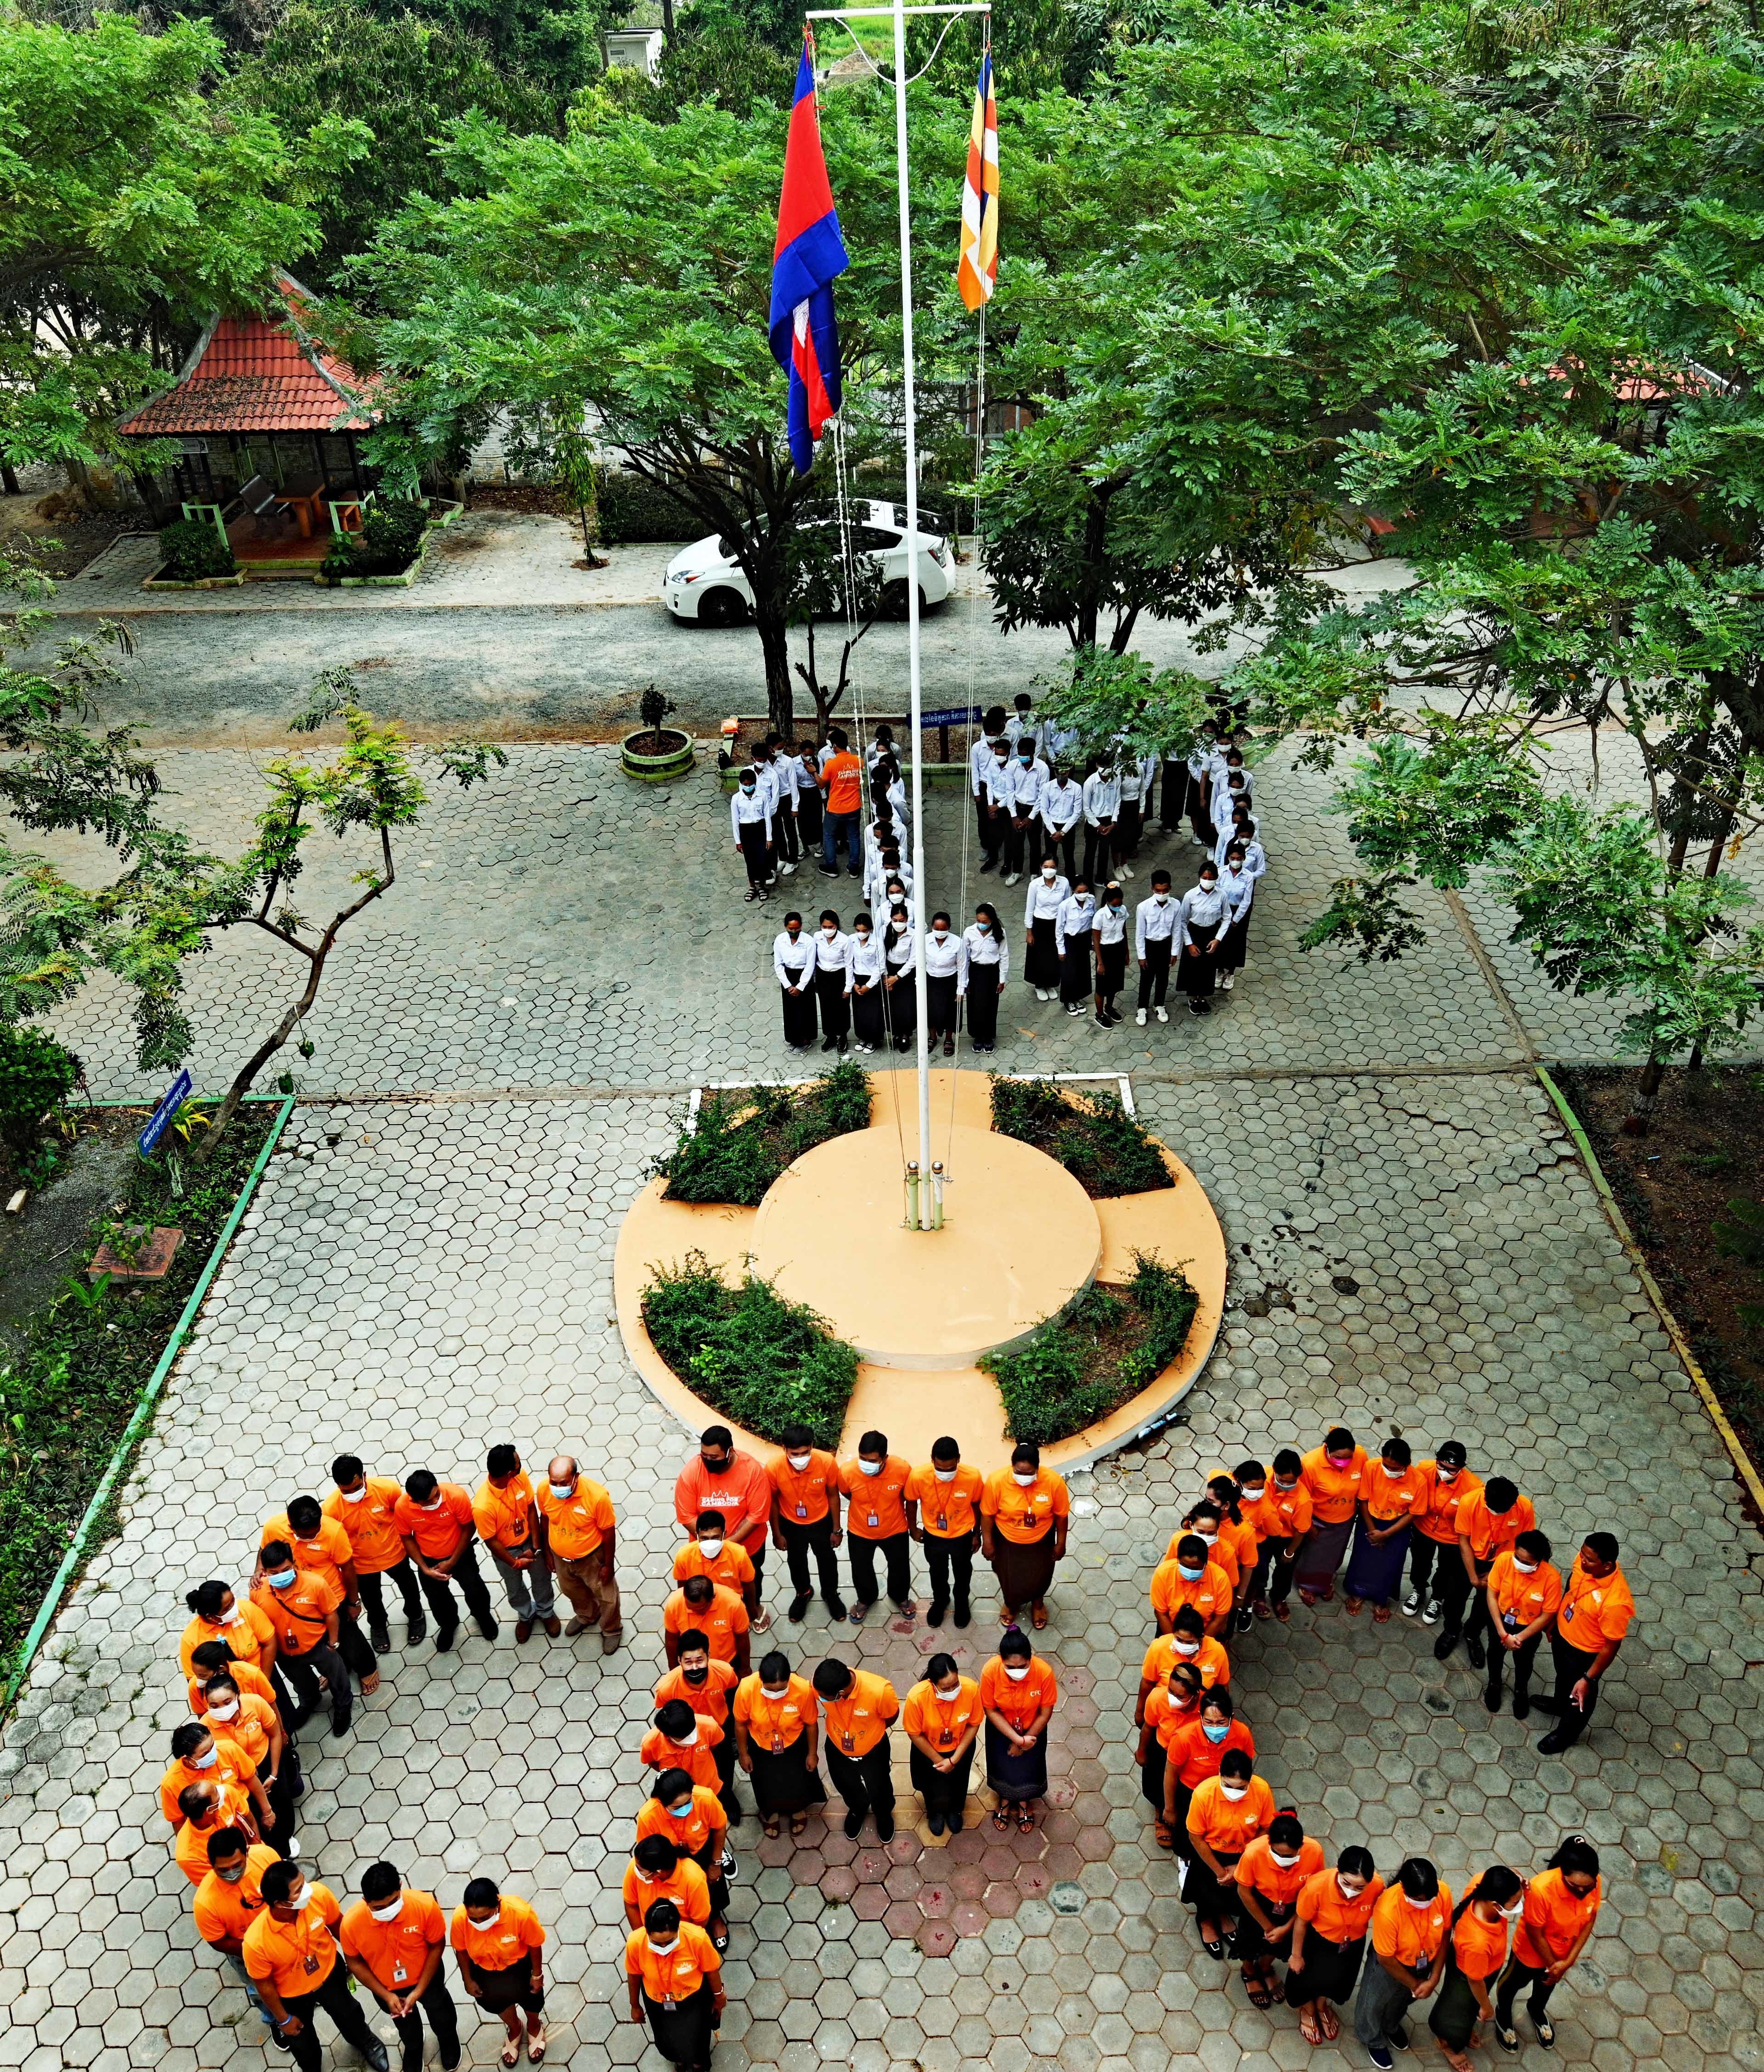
(1210,1898)
(1251,1939)
(684,2033)
(799,1014)
(1114,968)
(1231,951)
(943,1791)
(835,1008)
(940,1003)
(1025,1567)
(509,1988)
(1043,966)
(1454,2012)
(868,1019)
(982,998)
(1184,1793)
(782,1784)
(903,1004)
(1075,970)
(1331,1971)
(1016,1775)
(709,1860)
(1194,973)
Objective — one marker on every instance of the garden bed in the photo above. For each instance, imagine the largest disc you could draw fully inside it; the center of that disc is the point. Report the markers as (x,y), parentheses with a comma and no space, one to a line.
(1110,1345)
(760,1361)
(1091,1135)
(743,1138)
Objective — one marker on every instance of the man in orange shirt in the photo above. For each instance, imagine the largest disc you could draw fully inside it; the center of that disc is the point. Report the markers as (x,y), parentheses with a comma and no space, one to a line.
(857,1710)
(229,1899)
(1488,1524)
(1412,1926)
(1596,1611)
(290,1951)
(507,1521)
(699,1606)
(579,1534)
(321,1544)
(805,1517)
(303,1605)
(719,1478)
(366,1507)
(707,1686)
(1450,1484)
(943,1515)
(875,1489)
(841,778)
(682,1739)
(393,1941)
(208,1810)
(436,1522)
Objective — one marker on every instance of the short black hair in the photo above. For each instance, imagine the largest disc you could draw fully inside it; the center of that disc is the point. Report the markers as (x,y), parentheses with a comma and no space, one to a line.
(796,1436)
(718,1436)
(379,1882)
(696,1589)
(1338,1434)
(1500,1494)
(1453,1454)
(662,1917)
(1604,1544)
(676,1719)
(1188,1620)
(1237,1761)
(655,1853)
(279,1881)
(346,1467)
(304,1513)
(1536,1544)
(188,1738)
(276,1554)
(501,1461)
(874,1442)
(774,1668)
(1287,1462)
(420,1486)
(692,1638)
(227,1842)
(945,1448)
(831,1677)
(481,1892)
(672,1784)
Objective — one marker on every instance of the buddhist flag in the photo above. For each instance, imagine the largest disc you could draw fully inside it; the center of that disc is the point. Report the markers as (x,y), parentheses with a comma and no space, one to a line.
(977,274)
(809,255)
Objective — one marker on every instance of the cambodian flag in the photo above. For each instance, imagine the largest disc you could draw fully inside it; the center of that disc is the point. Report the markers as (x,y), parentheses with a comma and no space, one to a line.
(808,258)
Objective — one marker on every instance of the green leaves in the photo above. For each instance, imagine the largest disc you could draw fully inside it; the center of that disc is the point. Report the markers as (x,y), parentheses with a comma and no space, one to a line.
(1122,708)
(1441,809)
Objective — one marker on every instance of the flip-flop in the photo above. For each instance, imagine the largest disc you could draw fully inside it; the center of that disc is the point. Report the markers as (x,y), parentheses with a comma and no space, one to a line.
(1351,1606)
(1163,1834)
(1038,1617)
(798,1823)
(1307,1597)
(370,1684)
(1309,2029)
(1331,2027)
(1381,1615)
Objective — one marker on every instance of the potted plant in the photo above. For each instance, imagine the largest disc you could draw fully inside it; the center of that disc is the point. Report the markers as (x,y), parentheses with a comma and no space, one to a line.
(656,753)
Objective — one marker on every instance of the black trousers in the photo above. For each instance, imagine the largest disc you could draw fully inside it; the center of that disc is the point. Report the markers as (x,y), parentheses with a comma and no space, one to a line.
(284,1793)
(471,1588)
(344,2010)
(835,1007)
(1172,789)
(1473,1607)
(1113,974)
(1425,1555)
(894,1551)
(353,1645)
(799,1541)
(1572,1663)
(755,853)
(1522,1659)
(1132,820)
(437,2003)
(945,1558)
(1513,1981)
(303,1672)
(1283,1567)
(784,825)
(1154,973)
(864,1782)
(1453,1589)
(1098,857)
(373,1593)
(993,829)
(1016,843)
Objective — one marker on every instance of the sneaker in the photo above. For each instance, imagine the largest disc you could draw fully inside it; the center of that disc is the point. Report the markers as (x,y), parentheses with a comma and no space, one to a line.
(885,1826)
(293,1845)
(1431,1612)
(1381,2057)
(1127,870)
(799,1606)
(1400,2038)
(1545,2035)
(1163,1014)
(1076,1010)
(854,1822)
(1412,1604)
(787,869)
(1507,2039)
(1102,1023)
(1245,1618)
(1203,1007)
(1012,877)
(1140,1017)
(1042,993)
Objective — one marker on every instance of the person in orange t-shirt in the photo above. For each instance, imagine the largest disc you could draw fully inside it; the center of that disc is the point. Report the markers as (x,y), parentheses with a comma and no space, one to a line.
(255,1724)
(1225,1814)
(200,1756)
(1488,1524)
(1283,1523)
(1272,1871)
(1224,1549)
(1524,1593)
(579,1532)
(395,1943)
(210,1659)
(302,1606)
(1018,1692)
(942,1718)
(841,778)
(1433,1559)
(693,1820)
(435,1522)
(1196,1751)
(1333,1473)
(1560,1907)
(857,1710)
(290,1951)
(1023,1514)
(1174,1704)
(366,1506)
(208,1810)
(1411,1927)
(943,1514)
(1595,1614)
(874,1486)
(1475,1955)
(778,1742)
(682,1739)
(1191,1579)
(246,1630)
(659,1869)
(675,1975)
(805,1497)
(229,1899)
(700,1606)
(496,1941)
(719,1478)
(320,1544)
(707,1687)
(1329,1942)
(1187,1641)
(507,1517)
(1393,1490)
(711,1552)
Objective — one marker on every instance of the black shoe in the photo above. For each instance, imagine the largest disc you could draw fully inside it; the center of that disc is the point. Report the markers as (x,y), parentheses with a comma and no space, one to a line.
(376,2056)
(934,1615)
(988,863)
(964,1616)
(1492,1698)
(444,1638)
(1398,2038)
(1522,1705)
(836,1608)
(885,1826)
(416,1629)
(1447,1641)
(827,1043)
(799,1606)
(936,1822)
(1246,1619)
(1553,1744)
(1477,1653)
(840,1045)
(488,1628)
(379,1640)
(340,1723)
(854,1822)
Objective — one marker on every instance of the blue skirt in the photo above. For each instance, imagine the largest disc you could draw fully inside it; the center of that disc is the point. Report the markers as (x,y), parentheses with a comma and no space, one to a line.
(1374,1572)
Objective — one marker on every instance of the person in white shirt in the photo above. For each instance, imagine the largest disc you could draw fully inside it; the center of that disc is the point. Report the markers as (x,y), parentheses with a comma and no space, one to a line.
(806,772)
(766,783)
(1200,782)
(1239,888)
(866,969)
(887,783)
(1155,932)
(750,818)
(986,966)
(1102,817)
(1058,744)
(1226,797)
(1077,951)
(1022,720)
(1028,781)
(945,966)
(1204,919)
(1243,829)
(1109,932)
(1130,770)
(980,760)
(1062,809)
(1048,892)
(882,744)
(1234,761)
(782,770)
(902,986)
(833,981)
(996,780)
(793,962)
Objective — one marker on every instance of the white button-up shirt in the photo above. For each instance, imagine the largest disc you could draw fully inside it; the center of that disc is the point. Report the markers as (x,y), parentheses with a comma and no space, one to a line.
(1239,888)
(1102,799)
(1046,897)
(980,945)
(1061,806)
(946,959)
(746,808)
(833,952)
(1028,781)
(793,962)
(1110,924)
(1154,922)
(981,759)
(1074,920)
(865,963)
(1203,916)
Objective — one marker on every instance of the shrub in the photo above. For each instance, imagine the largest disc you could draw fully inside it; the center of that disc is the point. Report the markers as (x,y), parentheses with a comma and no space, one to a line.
(633,509)
(391,532)
(759,1360)
(192,549)
(36,1073)
(1091,1134)
(745,1137)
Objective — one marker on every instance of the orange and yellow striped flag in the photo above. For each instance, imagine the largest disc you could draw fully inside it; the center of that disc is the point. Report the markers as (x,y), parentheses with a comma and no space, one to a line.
(977,273)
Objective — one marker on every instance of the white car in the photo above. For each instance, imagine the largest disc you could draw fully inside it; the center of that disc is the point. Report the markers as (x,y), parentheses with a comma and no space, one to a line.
(705,584)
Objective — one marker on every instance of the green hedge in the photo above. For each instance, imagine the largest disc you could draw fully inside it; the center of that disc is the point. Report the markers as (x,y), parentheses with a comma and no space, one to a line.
(745,1137)
(192,549)
(1091,1134)
(36,1075)
(391,534)
(633,509)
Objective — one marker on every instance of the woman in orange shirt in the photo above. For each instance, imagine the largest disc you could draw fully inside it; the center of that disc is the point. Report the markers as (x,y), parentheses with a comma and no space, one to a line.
(1225,1815)
(1328,1941)
(1562,1904)
(942,1717)
(693,1820)
(1196,1752)
(1169,1707)
(1271,1874)
(675,1975)
(496,1941)
(1018,1692)
(247,1629)
(1476,1952)
(1393,1492)
(778,1742)
(1023,1510)
(1332,1474)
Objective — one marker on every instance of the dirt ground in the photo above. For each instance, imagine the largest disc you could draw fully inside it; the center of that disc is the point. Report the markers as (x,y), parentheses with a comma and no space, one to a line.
(36,1245)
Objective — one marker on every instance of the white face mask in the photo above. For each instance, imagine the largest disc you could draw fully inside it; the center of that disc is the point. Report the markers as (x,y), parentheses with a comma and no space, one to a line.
(1347,1891)
(1162,898)
(663,1949)
(828,929)
(1047,874)
(230,1618)
(390,1912)
(1017,1675)
(490,1920)
(1286,1863)
(433,1504)
(1023,1480)
(772,1691)
(298,1900)
(939,930)
(1254,1493)
(1395,1475)
(711,1548)
(687,1741)
(1513,1912)
(798,1461)
(943,1474)
(871,1467)
(1525,1568)
(206,1761)
(948,1697)
(1234,1792)
(1188,1648)
(1211,1538)
(228,1709)
(863,934)
(1419,1905)
(354,1496)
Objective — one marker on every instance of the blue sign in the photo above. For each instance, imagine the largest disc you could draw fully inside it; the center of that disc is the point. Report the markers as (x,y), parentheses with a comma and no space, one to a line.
(956,716)
(169,1102)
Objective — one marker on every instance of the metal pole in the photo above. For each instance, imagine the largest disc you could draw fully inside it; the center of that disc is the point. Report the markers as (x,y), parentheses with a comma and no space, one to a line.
(912,601)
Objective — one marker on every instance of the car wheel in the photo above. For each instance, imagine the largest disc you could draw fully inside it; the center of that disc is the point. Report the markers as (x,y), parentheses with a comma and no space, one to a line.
(721,607)
(894,601)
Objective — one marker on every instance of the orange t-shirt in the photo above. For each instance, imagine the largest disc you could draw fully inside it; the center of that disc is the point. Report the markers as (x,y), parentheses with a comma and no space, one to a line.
(231,1766)
(873,1509)
(1480,1950)
(250,1637)
(699,1760)
(775,1723)
(1437,1517)
(1197,1758)
(1334,1491)
(685,1885)
(722,1621)
(1284,1514)
(1171,1589)
(710,1698)
(1322,1906)
(1552,1920)
(437,1532)
(705,1818)
(252,1682)
(370,1522)
(1240,1540)
(732,1567)
(224,1911)
(576,1524)
(1411,1935)
(190,1850)
(1162,1656)
(670,1980)
(326,1551)
(802,1492)
(941,1722)
(742,1493)
(1279,1884)
(1491,1532)
(295,1956)
(299,1612)
(1523,1598)
(1594,1612)
(1391,1497)
(249,1728)
(395,1950)
(498,1945)
(1228,1826)
(855,1723)
(1024,1513)
(946,1510)
(504,1516)
(842,781)
(1018,1702)
(1166,1718)
(1221,1553)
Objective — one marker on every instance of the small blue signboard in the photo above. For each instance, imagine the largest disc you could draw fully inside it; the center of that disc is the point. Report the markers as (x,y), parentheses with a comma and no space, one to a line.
(169,1102)
(954,716)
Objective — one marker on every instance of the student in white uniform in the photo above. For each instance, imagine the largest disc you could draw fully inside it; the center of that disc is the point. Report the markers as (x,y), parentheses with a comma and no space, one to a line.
(1061,813)
(750,818)
(1022,720)
(1102,817)
(833,981)
(887,783)
(944,963)
(1239,888)
(1109,931)
(793,962)
(1076,949)
(1234,761)
(901,986)
(1154,933)
(1225,798)
(1058,744)
(1243,829)
(805,770)
(882,746)
(767,782)
(1028,781)
(865,971)
(783,771)
(980,761)
(1048,892)
(996,781)
(1200,782)
(1203,921)
(1131,775)
(986,967)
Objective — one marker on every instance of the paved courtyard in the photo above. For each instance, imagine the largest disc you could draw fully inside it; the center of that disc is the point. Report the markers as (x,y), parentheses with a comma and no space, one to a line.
(1414,1246)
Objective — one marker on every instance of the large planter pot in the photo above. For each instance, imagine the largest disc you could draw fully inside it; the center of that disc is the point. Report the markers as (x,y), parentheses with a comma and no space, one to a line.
(654,766)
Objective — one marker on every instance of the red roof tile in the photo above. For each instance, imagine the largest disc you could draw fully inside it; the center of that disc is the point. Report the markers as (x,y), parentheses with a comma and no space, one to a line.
(256,374)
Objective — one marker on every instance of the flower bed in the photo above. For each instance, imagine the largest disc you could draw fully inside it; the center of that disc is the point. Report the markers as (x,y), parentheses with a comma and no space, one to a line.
(1091,1134)
(744,1136)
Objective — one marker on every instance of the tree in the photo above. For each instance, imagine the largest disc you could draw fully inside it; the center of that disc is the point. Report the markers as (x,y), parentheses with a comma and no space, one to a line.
(1122,709)
(830,578)
(552,45)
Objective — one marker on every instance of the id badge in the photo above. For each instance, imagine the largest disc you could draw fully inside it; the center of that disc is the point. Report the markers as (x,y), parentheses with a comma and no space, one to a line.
(850,1745)
(667,2001)
(874,1519)
(802,1510)
(946,1739)
(943,1521)
(1509,1620)
(399,1974)
(310,1965)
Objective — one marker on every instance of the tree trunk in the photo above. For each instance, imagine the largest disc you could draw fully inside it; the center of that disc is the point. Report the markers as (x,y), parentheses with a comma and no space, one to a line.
(1095,552)
(254,1064)
(774,645)
(9,479)
(1635,1123)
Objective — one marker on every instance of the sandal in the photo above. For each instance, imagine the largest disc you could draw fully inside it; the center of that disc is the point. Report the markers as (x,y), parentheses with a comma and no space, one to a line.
(1026,1821)
(799,1824)
(1283,1611)
(536,2046)
(1306,1598)
(1332,2027)
(1001,1819)
(1038,1617)
(1308,2027)
(771,1828)
(511,2051)
(1257,1989)
(1008,1615)
(1351,1606)
(1263,1609)
(1381,1615)
(370,1683)
(1163,1834)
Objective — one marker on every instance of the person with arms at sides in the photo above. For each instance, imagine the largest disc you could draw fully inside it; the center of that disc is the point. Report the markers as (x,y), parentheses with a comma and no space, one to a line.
(682,1739)
(1132,770)
(833,982)
(901,987)
(1194,1753)
(857,1710)
(1047,893)
(210,1659)
(1333,1474)
(1029,776)
(805,1496)
(1206,1522)
(1200,782)
(206,1811)
(1433,1563)
(719,1477)
(1525,1595)
(1411,1926)
(1329,1942)
(943,1514)
(395,1943)
(1474,1953)
(1238,890)
(793,966)
(1283,1522)
(1108,932)
(1185,1642)
(865,971)
(784,773)
(943,1717)
(1024,1513)
(883,745)
(321,1546)
(769,787)
(1073,927)
(1023,720)
(1237,1533)
(291,1955)
(980,758)
(700,1606)
(707,1688)
(1392,1490)
(1488,1524)
(841,783)
(1154,935)
(1556,1917)
(579,1533)
(1059,815)
(674,1974)
(658,1869)
(1018,1693)
(229,1898)
(1164,1711)
(366,1506)
(986,967)
(246,1630)
(1227,799)
(997,780)
(507,1520)
(1272,1871)
(778,1742)
(303,1607)
(805,778)
(692,1820)
(711,1552)
(1225,1813)
(1201,921)
(749,818)
(254,1725)
(497,1940)
(889,789)
(435,1522)
(875,1487)
(1102,820)
(945,977)
(1595,1614)
(1188,1577)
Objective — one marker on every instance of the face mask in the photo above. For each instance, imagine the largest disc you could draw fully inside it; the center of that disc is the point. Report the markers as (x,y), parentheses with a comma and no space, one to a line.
(562,1490)
(1513,1912)
(279,1579)
(1340,1460)
(1419,1905)
(230,1618)
(688,1740)
(1524,1568)
(1192,1575)
(828,929)
(1188,1648)
(1211,1538)
(663,1949)
(1254,1492)
(354,1496)
(205,1761)
(773,1692)
(747,786)
(871,1467)
(681,1812)
(390,1913)
(1215,1734)
(1395,1475)
(298,1900)
(1347,1891)
(944,1474)
(1209,884)
(1286,1863)
(798,1461)
(433,1504)
(1016,1673)
(711,1548)
(1286,1489)
(939,932)
(1161,898)
(490,1920)
(1448,1475)
(863,936)
(1048,876)
(1022,1480)
(231,1877)
(698,1676)
(949,1697)
(1234,1792)
(228,1711)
